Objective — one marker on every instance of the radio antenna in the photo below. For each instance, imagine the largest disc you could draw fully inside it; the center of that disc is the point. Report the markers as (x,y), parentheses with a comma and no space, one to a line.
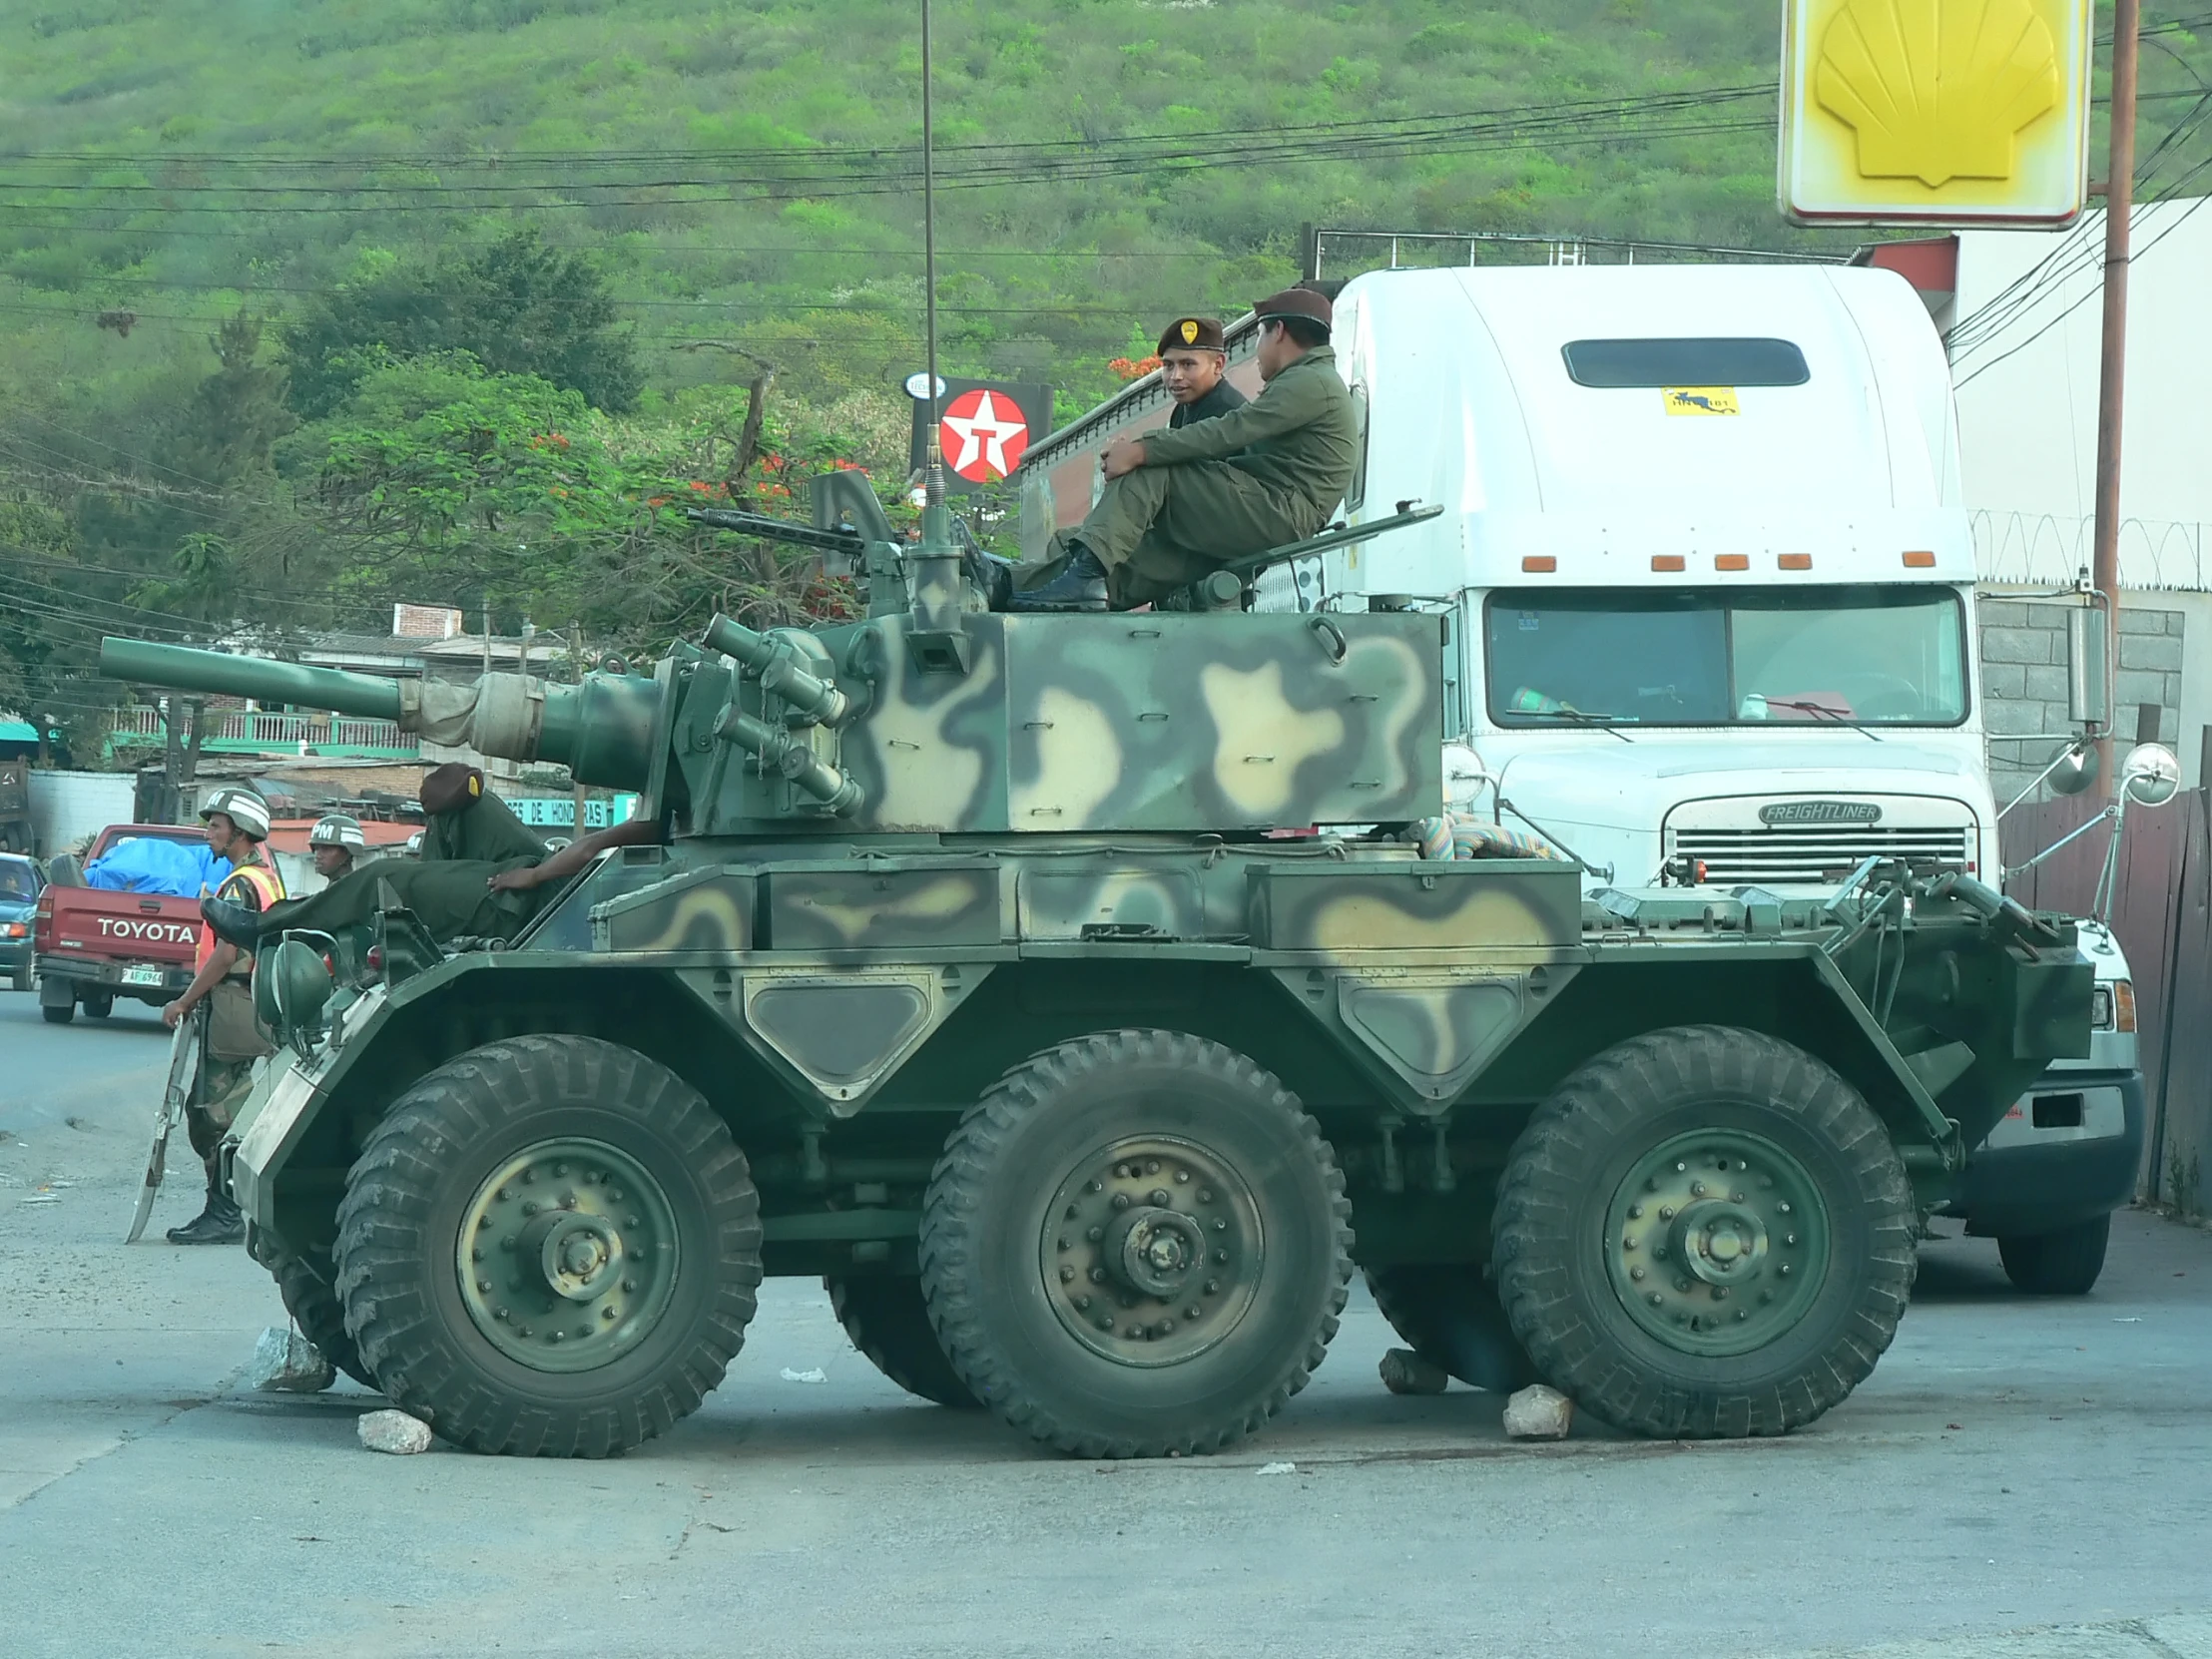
(933,463)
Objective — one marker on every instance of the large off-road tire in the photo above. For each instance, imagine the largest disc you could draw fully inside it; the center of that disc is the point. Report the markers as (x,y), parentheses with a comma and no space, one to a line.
(315,1307)
(2064,1263)
(1136,1244)
(889,1322)
(1450,1315)
(1705,1233)
(550,1246)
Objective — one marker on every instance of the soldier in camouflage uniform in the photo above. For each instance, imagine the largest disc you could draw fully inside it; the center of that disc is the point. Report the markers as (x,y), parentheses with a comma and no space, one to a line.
(230,1040)
(1177,504)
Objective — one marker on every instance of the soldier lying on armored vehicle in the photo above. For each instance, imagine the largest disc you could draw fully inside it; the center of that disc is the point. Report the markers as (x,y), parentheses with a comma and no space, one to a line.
(482,873)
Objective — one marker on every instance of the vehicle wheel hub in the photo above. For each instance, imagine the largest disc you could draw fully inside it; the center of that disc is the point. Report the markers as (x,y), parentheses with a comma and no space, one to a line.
(1151,1251)
(567,1255)
(1717,1241)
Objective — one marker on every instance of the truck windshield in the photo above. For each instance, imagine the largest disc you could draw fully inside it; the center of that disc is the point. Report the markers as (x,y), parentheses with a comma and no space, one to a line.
(1742,656)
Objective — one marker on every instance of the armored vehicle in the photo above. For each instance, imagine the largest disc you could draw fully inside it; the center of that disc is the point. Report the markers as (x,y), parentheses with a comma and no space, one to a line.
(1085,998)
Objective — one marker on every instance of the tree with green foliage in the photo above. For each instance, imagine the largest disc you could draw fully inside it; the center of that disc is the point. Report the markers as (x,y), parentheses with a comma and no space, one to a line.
(518,307)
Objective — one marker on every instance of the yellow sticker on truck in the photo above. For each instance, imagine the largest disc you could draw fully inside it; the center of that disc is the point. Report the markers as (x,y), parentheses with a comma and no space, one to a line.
(1700,400)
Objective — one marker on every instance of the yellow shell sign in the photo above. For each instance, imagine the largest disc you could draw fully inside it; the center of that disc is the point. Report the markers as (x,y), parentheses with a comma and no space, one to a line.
(1938,112)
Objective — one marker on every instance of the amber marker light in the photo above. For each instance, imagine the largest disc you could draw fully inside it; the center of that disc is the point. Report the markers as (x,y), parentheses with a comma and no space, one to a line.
(1920,561)
(1732,561)
(1795,561)
(1540,564)
(1666,561)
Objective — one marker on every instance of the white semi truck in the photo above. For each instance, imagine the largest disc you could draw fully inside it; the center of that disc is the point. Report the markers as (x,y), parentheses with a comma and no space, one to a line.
(1707,590)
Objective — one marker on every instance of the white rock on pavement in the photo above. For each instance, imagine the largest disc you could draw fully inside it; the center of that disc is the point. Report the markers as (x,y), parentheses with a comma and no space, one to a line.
(1538,1414)
(287,1362)
(395,1432)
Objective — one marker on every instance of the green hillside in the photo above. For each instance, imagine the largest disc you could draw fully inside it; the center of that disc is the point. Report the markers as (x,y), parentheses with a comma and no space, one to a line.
(740,186)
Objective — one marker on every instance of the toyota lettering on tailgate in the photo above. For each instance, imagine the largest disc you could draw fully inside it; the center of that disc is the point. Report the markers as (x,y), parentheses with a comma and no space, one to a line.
(154,932)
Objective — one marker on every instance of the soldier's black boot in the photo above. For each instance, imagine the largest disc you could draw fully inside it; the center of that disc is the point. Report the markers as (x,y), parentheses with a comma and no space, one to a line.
(232,923)
(220,1223)
(1080,586)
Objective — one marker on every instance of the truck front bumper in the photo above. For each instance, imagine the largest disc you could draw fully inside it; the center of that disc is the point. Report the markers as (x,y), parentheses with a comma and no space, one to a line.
(2068,1153)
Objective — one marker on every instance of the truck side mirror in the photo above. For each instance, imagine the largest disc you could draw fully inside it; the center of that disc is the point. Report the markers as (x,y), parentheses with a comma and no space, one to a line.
(2086,632)
(2150,773)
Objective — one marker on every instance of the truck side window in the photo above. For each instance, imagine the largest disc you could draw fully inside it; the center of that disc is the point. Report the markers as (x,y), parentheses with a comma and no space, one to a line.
(1357,491)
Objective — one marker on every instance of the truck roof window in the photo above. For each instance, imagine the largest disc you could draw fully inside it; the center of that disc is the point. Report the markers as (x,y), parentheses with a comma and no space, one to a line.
(1685,362)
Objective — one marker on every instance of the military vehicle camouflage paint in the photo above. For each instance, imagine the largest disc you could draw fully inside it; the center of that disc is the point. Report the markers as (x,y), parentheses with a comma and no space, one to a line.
(1067,985)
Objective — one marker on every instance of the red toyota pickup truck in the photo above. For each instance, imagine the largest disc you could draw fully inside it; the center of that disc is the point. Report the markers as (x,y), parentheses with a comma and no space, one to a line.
(95,944)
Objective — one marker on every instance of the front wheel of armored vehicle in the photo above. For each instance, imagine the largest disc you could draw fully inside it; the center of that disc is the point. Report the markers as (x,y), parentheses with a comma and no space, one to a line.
(317,1311)
(1705,1233)
(550,1246)
(1136,1245)
(889,1322)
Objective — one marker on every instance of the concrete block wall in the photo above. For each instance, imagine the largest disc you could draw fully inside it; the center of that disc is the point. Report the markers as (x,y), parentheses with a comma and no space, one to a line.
(2024,676)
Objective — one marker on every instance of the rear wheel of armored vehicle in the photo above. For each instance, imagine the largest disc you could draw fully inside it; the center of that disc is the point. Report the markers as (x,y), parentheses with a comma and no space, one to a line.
(1450,1315)
(2064,1263)
(316,1310)
(1136,1245)
(1705,1231)
(550,1246)
(889,1321)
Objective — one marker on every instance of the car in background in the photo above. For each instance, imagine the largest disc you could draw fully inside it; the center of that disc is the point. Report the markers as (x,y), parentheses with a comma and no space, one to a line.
(2047,1181)
(20,885)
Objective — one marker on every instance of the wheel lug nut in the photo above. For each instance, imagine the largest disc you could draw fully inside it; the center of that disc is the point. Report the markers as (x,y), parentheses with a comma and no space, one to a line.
(499,1312)
(1785,1270)
(1697,1189)
(1206,1194)
(630,1221)
(1635,1272)
(527,1332)
(556,1335)
(509,1242)
(502,1195)
(1220,1226)
(1783,1207)
(1192,1311)
(604,1314)
(1743,1313)
(529,1172)
(1121,1200)
(484,1286)
(1635,1211)
(1166,1328)
(629,1284)
(1082,1302)
(1629,1244)
(1681,1284)
(475,1255)
(1098,1275)
(1121,1171)
(560,1169)
(1790,1237)
(1221,1256)
(1182,1174)
(1067,1275)
(1666,1212)
(1681,1169)
(1766,1295)
(1105,1322)
(1158,1195)
(1152,1166)
(1095,1234)
(482,1221)
(1094,1187)
(1656,1299)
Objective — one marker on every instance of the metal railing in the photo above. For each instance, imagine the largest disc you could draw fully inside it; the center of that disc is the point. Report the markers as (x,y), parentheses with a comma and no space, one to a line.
(247,728)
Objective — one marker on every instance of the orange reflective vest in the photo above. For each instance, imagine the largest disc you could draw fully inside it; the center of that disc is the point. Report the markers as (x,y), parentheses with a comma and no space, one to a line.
(264,882)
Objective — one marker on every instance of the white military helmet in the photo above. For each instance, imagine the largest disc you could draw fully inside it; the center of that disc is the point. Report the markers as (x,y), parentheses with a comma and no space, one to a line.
(243,807)
(337,829)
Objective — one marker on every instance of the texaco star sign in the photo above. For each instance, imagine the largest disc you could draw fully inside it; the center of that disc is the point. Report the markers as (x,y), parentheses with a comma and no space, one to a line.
(983,435)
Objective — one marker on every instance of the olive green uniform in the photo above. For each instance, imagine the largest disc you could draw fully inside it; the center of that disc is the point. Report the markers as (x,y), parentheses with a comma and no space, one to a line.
(1225,489)
(447,889)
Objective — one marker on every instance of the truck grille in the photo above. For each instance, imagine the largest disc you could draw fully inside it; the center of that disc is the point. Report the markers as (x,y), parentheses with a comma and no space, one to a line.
(1813,852)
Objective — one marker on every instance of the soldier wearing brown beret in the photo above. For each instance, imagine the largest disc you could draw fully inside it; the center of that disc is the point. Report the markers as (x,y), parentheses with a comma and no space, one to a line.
(1194,363)
(1180,503)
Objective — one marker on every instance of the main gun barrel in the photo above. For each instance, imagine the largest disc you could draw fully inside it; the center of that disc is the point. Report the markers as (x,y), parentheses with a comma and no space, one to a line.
(146,664)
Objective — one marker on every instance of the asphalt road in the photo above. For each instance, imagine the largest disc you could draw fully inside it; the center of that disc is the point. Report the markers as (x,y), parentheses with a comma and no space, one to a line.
(2029,1478)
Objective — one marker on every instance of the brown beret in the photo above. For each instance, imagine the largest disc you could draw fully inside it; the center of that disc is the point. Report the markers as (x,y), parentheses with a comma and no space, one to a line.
(450,787)
(1192,334)
(1299,302)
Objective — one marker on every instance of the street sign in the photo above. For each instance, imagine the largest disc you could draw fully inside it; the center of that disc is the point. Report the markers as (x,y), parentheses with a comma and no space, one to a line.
(1934,112)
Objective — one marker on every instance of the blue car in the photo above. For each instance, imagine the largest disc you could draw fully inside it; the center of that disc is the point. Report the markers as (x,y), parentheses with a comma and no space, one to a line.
(20,885)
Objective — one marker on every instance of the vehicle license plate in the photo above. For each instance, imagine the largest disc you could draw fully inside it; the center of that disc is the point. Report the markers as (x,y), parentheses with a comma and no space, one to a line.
(142,976)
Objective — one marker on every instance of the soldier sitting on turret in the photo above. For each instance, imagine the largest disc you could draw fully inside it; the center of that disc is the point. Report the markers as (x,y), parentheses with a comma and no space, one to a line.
(1178,504)
(482,874)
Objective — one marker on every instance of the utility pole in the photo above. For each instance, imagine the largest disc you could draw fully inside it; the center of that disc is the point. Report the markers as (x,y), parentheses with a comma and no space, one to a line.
(2119,205)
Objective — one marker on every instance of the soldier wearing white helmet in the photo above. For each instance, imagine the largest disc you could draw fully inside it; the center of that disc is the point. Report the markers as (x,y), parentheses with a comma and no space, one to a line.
(238,825)
(331,843)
